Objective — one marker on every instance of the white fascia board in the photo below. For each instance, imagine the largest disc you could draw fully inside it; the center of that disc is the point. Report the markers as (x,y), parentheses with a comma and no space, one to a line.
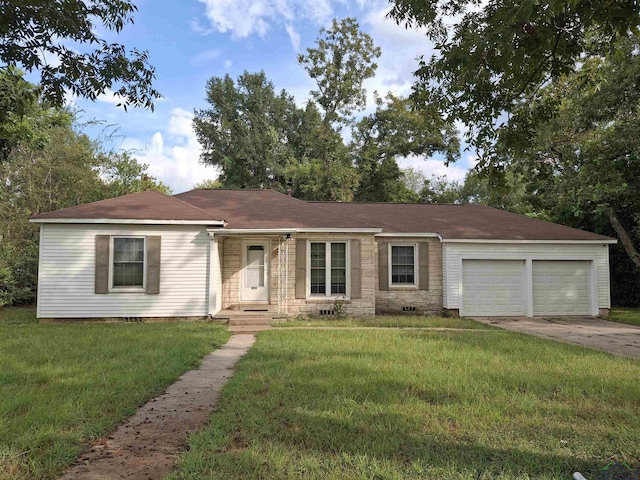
(408,235)
(579,242)
(283,231)
(240,231)
(338,230)
(127,221)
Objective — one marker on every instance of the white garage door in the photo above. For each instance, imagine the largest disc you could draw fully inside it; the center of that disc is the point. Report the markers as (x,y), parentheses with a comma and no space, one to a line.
(561,288)
(493,288)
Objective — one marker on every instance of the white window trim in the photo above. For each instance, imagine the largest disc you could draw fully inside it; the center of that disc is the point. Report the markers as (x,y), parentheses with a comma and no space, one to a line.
(328,295)
(142,289)
(416,262)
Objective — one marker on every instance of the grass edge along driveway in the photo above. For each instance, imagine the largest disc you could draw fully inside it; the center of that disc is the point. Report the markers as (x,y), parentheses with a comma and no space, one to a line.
(355,404)
(62,386)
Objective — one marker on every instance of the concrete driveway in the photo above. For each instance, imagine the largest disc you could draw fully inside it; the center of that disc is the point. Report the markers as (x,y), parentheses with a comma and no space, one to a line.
(616,338)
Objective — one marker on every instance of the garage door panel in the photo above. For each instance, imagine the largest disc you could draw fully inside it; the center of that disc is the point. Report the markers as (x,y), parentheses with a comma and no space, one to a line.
(493,287)
(561,287)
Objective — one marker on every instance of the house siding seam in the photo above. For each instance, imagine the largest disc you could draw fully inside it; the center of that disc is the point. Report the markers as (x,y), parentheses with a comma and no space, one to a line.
(455,252)
(67,273)
(426,302)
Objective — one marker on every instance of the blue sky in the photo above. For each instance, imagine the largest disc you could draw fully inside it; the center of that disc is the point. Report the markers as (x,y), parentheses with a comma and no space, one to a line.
(190,41)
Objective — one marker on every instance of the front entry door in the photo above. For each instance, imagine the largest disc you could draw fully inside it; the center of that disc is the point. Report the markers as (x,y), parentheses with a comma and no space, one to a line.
(254,285)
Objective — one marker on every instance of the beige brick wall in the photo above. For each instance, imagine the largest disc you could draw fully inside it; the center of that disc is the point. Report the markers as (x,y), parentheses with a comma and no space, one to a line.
(372,301)
(425,301)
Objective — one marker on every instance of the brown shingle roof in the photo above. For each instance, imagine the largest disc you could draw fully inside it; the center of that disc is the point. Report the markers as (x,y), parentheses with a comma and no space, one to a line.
(267,209)
(149,205)
(461,222)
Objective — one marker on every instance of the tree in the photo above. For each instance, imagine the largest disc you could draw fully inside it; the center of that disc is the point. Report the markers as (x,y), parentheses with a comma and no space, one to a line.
(55,167)
(246,130)
(587,158)
(37,179)
(260,139)
(438,189)
(344,57)
(59,39)
(394,130)
(209,184)
(122,174)
(493,57)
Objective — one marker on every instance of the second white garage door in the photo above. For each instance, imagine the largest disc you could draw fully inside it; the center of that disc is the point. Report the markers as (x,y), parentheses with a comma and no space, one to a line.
(561,287)
(493,288)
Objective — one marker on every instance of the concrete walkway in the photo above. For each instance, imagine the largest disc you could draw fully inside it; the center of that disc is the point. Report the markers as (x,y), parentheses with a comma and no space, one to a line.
(617,338)
(145,446)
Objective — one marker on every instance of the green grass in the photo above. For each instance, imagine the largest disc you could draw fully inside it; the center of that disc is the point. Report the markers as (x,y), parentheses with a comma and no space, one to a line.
(625,315)
(61,386)
(18,315)
(397,321)
(389,404)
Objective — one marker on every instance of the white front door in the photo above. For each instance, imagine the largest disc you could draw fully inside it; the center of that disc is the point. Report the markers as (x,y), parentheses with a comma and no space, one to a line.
(254,285)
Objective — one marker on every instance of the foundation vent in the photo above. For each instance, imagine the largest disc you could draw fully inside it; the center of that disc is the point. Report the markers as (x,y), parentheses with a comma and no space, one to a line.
(408,309)
(326,313)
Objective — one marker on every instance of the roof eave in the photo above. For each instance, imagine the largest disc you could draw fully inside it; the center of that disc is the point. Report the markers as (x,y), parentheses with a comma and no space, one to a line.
(131,221)
(274,231)
(479,240)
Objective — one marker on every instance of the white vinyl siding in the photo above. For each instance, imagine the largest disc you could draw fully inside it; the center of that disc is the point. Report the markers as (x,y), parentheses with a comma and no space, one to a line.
(561,288)
(493,288)
(67,273)
(596,254)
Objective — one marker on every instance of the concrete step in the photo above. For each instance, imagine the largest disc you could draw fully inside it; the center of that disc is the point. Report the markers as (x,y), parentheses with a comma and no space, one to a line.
(241,321)
(254,308)
(240,314)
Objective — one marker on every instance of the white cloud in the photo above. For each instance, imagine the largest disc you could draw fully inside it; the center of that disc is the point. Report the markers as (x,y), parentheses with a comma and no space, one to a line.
(400,48)
(109,97)
(173,154)
(227,64)
(206,57)
(243,18)
(431,166)
(294,37)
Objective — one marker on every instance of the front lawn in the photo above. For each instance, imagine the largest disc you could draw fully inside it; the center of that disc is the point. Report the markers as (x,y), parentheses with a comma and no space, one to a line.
(397,321)
(625,315)
(408,404)
(61,386)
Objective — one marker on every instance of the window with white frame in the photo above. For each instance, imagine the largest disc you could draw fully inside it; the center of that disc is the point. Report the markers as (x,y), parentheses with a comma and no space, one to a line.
(328,268)
(128,262)
(403,265)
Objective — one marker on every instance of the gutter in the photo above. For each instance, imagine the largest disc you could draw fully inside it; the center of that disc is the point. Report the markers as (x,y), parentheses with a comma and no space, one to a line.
(582,242)
(288,231)
(127,221)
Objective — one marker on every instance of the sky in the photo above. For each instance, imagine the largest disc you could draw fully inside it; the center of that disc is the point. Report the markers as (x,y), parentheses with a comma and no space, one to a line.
(190,41)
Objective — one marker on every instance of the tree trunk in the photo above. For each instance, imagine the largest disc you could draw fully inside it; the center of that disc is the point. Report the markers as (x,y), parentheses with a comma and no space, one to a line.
(625,239)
